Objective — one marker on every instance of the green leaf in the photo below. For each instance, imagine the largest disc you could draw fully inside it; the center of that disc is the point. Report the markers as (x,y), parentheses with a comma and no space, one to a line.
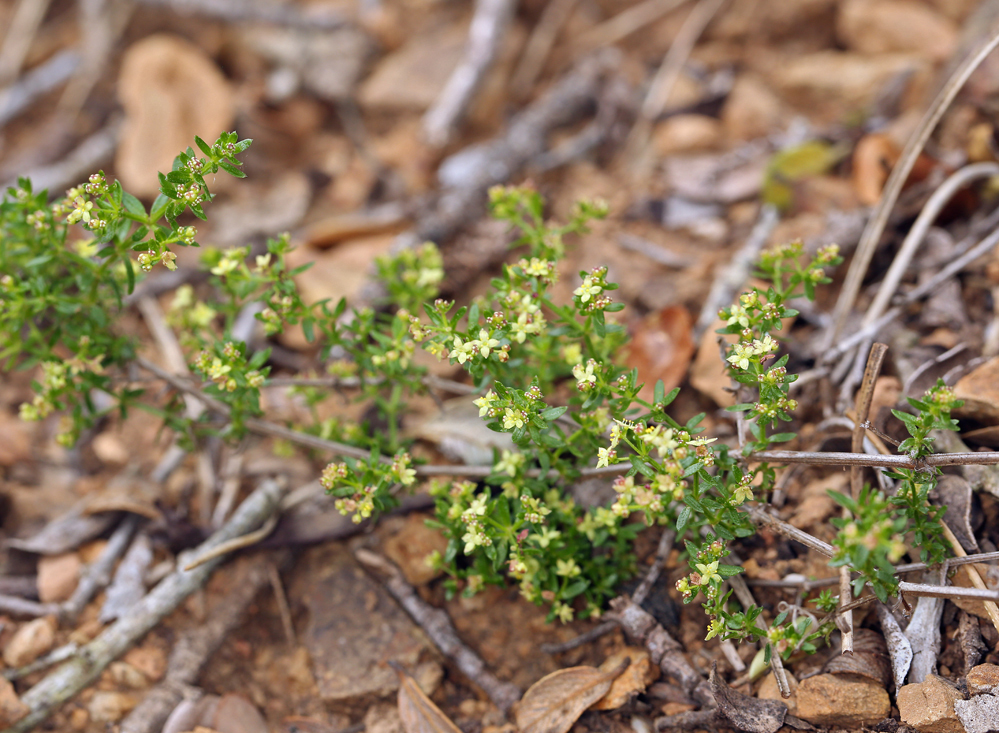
(205,147)
(660,392)
(553,413)
(130,274)
(782,437)
(727,571)
(133,205)
(229,168)
(641,467)
(683,518)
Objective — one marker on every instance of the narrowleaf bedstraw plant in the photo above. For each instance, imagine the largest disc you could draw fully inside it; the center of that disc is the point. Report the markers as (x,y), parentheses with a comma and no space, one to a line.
(544,372)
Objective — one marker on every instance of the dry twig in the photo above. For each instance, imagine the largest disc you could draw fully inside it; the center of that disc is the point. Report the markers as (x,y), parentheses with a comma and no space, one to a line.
(195,646)
(63,683)
(893,187)
(438,626)
(485,36)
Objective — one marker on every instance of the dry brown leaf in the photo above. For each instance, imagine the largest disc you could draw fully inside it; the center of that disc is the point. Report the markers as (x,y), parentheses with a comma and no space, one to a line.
(418,712)
(955,493)
(869,659)
(873,159)
(556,701)
(661,348)
(638,676)
(171,91)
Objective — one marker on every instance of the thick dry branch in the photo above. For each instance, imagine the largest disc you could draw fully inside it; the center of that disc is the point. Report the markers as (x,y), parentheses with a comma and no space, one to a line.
(79,163)
(441,631)
(489,25)
(445,385)
(37,82)
(99,574)
(862,459)
(195,647)
(760,516)
(948,591)
(66,681)
(255,425)
(256,11)
(641,628)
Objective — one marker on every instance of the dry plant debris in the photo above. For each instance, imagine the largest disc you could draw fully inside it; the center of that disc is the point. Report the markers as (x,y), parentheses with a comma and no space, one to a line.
(714,130)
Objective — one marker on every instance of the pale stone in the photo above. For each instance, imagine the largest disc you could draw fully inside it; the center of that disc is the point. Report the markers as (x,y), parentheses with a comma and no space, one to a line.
(110,448)
(58,576)
(770,691)
(413,77)
(686,133)
(751,110)
(842,700)
(980,714)
(30,642)
(929,706)
(412,546)
(984,679)
(124,675)
(110,707)
(889,26)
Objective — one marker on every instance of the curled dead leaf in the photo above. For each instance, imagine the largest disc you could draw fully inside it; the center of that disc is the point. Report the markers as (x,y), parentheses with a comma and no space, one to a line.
(417,711)
(744,712)
(639,674)
(555,702)
(869,658)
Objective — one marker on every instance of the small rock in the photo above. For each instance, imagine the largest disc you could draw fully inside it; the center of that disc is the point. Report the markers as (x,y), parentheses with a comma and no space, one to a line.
(110,707)
(887,26)
(834,82)
(11,707)
(980,714)
(383,718)
(929,706)
(686,133)
(770,691)
(349,668)
(30,642)
(236,714)
(846,701)
(124,675)
(111,449)
(751,110)
(413,77)
(410,548)
(57,577)
(984,679)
